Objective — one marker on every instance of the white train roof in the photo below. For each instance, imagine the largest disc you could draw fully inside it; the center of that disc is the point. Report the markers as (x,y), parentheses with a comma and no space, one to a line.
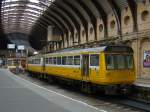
(96,50)
(111,48)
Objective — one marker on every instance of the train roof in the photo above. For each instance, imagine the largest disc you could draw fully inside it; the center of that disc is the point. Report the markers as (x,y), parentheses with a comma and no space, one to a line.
(110,48)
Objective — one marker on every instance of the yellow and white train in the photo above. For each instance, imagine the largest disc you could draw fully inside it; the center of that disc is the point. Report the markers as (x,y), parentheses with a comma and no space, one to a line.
(101,67)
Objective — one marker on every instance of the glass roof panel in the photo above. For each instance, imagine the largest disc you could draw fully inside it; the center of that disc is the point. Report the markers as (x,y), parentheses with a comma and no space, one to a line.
(18,14)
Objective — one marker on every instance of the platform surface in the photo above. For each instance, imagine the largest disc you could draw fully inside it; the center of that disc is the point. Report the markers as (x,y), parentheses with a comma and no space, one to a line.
(20,95)
(145,83)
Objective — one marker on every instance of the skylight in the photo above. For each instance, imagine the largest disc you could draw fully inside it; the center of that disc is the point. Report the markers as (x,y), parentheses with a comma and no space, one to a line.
(23,13)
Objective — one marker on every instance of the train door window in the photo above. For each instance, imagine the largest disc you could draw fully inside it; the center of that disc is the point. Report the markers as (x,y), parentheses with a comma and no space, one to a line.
(64,60)
(54,60)
(58,60)
(94,60)
(109,61)
(76,60)
(70,60)
(85,65)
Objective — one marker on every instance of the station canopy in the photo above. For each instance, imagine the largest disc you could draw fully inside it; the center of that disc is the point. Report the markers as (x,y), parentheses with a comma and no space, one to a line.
(21,15)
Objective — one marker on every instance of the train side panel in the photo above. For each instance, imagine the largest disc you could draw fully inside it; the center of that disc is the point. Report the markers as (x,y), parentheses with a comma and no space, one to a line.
(35,68)
(66,71)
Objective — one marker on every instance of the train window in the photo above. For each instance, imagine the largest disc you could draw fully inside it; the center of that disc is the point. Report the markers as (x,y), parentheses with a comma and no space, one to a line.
(110,61)
(39,61)
(54,60)
(94,60)
(35,61)
(76,60)
(70,60)
(59,60)
(46,60)
(129,60)
(120,60)
(64,60)
(50,61)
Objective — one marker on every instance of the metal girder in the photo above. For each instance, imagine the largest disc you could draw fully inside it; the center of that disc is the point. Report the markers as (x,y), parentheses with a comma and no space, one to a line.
(117,14)
(75,19)
(79,12)
(133,7)
(20,21)
(57,18)
(17,24)
(16,14)
(22,7)
(22,18)
(19,11)
(65,16)
(70,14)
(92,15)
(48,20)
(103,16)
(15,30)
(21,2)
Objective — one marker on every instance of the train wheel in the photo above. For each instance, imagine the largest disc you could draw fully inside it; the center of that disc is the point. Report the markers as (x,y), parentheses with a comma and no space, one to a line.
(86,87)
(50,79)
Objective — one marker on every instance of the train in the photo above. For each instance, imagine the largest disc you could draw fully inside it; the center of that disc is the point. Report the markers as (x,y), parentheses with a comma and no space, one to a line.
(108,68)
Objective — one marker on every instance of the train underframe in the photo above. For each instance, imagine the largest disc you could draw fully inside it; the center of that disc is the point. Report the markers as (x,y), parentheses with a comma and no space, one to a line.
(83,86)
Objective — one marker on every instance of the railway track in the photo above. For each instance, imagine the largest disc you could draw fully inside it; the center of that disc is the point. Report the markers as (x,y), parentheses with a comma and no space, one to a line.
(117,103)
(145,106)
(129,102)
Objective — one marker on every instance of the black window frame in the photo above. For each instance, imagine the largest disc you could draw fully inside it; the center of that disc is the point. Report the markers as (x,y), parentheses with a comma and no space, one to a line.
(115,62)
(91,64)
(59,60)
(64,60)
(77,58)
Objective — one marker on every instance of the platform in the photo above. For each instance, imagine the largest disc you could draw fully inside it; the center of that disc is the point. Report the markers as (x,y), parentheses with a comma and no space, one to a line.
(20,95)
(143,83)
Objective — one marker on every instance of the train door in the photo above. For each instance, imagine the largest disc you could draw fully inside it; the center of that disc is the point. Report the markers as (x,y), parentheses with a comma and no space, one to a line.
(85,67)
(43,64)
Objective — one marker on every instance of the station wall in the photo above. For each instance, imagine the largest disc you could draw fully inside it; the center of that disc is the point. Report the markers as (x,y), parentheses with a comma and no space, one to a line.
(138,39)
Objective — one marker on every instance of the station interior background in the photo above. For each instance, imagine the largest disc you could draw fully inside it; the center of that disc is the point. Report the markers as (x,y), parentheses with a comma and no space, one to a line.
(52,25)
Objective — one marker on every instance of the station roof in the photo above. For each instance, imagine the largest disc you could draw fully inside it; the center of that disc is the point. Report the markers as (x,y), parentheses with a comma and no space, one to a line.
(20,15)
(32,17)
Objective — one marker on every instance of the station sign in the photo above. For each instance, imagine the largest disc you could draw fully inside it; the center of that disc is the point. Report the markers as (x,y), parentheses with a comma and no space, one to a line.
(11,46)
(146,62)
(20,47)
